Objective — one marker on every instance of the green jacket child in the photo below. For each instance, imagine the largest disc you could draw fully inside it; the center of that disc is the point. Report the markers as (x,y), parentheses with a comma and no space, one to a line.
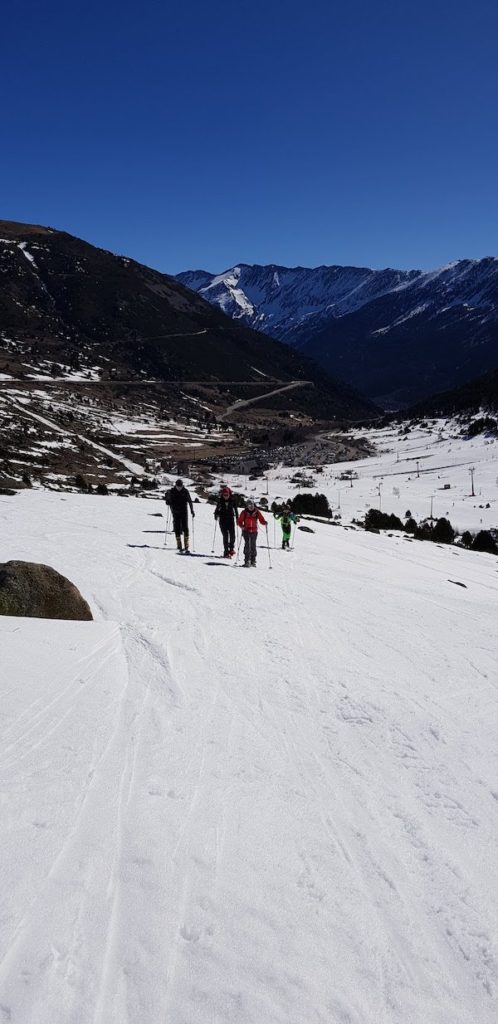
(286,518)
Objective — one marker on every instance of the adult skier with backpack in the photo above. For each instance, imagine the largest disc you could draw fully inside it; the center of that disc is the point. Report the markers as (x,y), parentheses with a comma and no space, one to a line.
(225,514)
(248,522)
(178,499)
(286,518)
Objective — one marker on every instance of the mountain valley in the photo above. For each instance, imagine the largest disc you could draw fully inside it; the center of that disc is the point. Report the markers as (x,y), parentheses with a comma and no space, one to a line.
(397,336)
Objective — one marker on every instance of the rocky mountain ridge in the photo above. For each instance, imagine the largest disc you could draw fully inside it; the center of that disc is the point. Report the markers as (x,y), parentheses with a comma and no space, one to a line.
(112,373)
(64,301)
(401,335)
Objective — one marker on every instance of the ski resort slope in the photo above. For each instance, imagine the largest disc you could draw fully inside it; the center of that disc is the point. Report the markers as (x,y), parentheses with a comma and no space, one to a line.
(251,796)
(425,471)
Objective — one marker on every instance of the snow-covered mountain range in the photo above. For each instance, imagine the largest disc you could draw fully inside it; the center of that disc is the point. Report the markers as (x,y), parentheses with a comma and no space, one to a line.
(354,321)
(279,300)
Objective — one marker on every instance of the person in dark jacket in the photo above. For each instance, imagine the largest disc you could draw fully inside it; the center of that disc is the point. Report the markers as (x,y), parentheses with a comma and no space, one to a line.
(248,522)
(178,499)
(226,513)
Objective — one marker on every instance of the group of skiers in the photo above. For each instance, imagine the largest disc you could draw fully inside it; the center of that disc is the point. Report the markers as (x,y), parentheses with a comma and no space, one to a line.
(227,515)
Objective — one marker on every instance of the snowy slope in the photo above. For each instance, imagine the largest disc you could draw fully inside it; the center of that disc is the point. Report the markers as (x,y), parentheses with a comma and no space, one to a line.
(427,468)
(248,796)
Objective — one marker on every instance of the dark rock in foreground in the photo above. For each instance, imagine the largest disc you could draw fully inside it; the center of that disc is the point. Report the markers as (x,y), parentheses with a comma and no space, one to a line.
(39,592)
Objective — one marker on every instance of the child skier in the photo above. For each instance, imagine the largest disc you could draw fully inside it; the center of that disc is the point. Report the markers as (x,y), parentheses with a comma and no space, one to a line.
(286,518)
(248,522)
(225,514)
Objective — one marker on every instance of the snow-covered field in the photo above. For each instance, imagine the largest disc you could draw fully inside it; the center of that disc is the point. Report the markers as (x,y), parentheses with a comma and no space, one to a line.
(248,796)
(426,470)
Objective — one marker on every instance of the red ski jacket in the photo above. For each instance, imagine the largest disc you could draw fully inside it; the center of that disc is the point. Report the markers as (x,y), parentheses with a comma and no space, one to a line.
(249,520)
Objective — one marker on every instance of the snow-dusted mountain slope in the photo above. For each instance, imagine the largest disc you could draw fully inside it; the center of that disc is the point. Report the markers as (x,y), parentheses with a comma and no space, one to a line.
(252,796)
(397,335)
(67,305)
(280,300)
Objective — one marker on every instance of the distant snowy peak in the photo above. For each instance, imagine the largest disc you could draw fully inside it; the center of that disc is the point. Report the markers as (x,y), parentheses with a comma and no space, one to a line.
(221,290)
(276,298)
(283,300)
(396,335)
(195,279)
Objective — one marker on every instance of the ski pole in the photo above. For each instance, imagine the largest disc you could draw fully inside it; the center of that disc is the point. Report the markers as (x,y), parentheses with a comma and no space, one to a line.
(167,527)
(293,536)
(268,548)
(214,537)
(193,532)
(238,549)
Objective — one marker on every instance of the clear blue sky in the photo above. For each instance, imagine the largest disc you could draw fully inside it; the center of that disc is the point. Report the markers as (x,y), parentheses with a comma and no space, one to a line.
(200,134)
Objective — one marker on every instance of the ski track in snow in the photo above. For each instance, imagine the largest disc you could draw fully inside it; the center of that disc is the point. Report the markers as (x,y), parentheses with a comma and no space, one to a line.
(252,797)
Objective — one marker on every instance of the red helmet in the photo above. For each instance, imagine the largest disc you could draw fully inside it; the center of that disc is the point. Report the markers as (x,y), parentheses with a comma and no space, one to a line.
(226,492)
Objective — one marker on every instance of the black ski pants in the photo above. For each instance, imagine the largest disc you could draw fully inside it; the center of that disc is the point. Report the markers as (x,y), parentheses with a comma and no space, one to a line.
(227,527)
(180,524)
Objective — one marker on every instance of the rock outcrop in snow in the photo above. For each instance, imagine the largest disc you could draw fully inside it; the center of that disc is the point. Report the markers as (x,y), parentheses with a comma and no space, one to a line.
(39,592)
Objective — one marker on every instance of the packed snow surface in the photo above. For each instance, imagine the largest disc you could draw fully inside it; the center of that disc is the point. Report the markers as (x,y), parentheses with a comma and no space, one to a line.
(251,796)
